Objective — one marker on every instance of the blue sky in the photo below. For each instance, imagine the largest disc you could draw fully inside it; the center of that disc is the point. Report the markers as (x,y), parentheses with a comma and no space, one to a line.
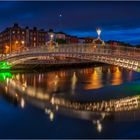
(127,35)
(118,20)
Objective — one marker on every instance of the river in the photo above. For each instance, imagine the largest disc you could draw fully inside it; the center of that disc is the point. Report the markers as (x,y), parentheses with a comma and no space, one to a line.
(68,103)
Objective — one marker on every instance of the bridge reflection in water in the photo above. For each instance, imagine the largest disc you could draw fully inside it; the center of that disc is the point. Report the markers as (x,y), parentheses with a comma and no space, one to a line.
(26,88)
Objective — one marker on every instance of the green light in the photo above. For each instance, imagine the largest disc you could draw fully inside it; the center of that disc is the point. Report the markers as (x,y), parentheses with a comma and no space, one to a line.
(5,75)
(4,65)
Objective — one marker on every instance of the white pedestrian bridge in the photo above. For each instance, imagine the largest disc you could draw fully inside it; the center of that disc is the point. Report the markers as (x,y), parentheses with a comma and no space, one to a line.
(126,57)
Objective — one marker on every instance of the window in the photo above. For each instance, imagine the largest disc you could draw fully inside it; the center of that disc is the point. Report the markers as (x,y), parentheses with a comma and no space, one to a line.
(18,32)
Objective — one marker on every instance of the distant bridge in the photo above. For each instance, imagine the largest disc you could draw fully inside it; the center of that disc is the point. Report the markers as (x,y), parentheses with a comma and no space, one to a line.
(125,57)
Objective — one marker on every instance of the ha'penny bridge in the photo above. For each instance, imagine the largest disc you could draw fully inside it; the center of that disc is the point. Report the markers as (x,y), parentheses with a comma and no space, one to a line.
(126,57)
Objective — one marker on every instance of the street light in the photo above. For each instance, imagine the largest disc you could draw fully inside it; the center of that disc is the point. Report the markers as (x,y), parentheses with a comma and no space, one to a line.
(51,36)
(98,32)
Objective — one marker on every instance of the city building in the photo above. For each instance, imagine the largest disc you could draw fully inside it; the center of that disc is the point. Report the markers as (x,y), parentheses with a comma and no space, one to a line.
(50,35)
(98,43)
(89,39)
(81,40)
(16,38)
(60,37)
(72,39)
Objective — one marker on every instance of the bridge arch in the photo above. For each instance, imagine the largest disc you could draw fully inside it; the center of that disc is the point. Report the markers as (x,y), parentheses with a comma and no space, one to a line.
(84,53)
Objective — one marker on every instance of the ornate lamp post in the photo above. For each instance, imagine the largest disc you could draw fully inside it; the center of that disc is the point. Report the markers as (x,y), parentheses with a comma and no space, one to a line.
(98,32)
(51,37)
(51,40)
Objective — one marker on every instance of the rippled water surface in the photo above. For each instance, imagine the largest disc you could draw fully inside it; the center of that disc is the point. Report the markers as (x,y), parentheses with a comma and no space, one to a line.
(95,102)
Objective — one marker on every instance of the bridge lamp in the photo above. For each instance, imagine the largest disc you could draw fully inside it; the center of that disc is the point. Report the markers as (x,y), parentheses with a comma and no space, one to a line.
(98,32)
(52,36)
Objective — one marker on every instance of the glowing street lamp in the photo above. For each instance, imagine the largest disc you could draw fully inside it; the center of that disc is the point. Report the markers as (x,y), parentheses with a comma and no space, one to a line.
(51,36)
(98,32)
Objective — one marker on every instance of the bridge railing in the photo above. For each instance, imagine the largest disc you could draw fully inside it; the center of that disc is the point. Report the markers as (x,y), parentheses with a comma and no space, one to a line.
(62,49)
(80,48)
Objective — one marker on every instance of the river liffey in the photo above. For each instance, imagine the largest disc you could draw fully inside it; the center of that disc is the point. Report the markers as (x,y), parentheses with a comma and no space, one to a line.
(94,102)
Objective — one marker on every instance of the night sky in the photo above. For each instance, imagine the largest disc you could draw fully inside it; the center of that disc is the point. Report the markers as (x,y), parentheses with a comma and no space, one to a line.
(118,20)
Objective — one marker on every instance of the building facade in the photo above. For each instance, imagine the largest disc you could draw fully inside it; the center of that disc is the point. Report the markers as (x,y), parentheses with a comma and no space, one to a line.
(81,40)
(16,38)
(89,39)
(72,39)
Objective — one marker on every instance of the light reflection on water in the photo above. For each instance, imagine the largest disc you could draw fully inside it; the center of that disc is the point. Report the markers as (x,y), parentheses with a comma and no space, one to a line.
(69,80)
(67,84)
(76,82)
(117,77)
(54,92)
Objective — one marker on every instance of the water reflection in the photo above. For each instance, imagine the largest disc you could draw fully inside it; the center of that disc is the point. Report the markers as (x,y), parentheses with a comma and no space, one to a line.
(53,92)
(5,75)
(22,103)
(52,82)
(91,78)
(95,80)
(74,81)
(96,112)
(117,76)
